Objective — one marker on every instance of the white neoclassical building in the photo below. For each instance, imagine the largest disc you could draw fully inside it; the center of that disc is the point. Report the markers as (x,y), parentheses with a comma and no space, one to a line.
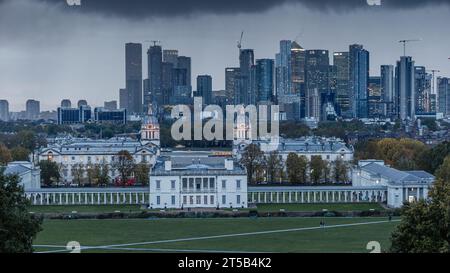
(329,149)
(29,175)
(196,180)
(401,186)
(68,151)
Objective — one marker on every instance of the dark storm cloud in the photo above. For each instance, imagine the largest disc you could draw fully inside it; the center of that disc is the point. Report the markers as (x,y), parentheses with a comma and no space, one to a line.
(167,8)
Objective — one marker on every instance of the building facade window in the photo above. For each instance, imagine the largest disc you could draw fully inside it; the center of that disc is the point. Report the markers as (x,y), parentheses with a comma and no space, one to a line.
(238,199)
(224,199)
(172,184)
(224,184)
(158,184)
(173,200)
(238,184)
(158,200)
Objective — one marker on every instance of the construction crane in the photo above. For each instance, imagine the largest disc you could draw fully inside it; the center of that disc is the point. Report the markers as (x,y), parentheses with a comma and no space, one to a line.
(408,41)
(239,43)
(433,71)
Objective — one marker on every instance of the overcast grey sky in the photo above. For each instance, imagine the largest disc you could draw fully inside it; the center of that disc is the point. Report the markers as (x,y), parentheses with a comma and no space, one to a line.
(50,51)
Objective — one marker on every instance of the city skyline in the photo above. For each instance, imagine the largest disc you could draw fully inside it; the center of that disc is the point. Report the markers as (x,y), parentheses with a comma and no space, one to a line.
(77,80)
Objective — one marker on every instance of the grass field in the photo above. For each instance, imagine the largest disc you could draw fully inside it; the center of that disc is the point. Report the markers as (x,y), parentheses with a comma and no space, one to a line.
(217,235)
(260,207)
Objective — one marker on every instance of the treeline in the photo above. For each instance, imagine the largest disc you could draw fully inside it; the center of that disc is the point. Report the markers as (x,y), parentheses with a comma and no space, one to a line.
(296,170)
(404,154)
(124,170)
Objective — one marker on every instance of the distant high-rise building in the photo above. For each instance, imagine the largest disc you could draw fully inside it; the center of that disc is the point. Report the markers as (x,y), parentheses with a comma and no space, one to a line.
(317,82)
(123,98)
(298,77)
(341,65)
(422,89)
(110,105)
(204,88)
(283,65)
(154,94)
(404,88)
(33,109)
(82,103)
(264,81)
(359,80)
(375,101)
(170,56)
(167,81)
(66,103)
(247,62)
(4,110)
(443,96)
(232,78)
(133,76)
(387,90)
(185,63)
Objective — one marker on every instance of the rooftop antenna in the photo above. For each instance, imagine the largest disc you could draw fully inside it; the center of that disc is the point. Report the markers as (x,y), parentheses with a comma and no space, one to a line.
(407,41)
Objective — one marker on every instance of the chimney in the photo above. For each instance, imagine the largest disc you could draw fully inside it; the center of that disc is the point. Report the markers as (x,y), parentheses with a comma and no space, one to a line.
(168,165)
(229,164)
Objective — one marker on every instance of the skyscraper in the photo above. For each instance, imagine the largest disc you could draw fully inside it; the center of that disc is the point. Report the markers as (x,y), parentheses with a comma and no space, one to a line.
(443,93)
(110,105)
(133,71)
(422,89)
(170,56)
(123,98)
(387,90)
(4,110)
(33,109)
(298,85)
(247,61)
(317,82)
(167,81)
(154,94)
(185,63)
(264,81)
(341,67)
(204,88)
(375,101)
(232,77)
(359,80)
(283,62)
(404,88)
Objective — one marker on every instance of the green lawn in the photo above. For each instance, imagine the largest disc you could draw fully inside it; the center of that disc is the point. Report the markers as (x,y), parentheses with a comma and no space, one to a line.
(320,207)
(260,207)
(107,232)
(85,209)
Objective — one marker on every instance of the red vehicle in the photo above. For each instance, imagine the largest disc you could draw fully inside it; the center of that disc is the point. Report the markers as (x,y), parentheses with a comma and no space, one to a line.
(130,182)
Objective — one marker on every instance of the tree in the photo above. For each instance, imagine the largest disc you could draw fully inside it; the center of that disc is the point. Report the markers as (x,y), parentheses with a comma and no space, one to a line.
(103,179)
(142,173)
(26,139)
(78,173)
(124,163)
(317,167)
(18,228)
(252,160)
(401,154)
(425,224)
(5,155)
(274,167)
(302,169)
(292,168)
(326,173)
(49,172)
(340,171)
(444,170)
(20,154)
